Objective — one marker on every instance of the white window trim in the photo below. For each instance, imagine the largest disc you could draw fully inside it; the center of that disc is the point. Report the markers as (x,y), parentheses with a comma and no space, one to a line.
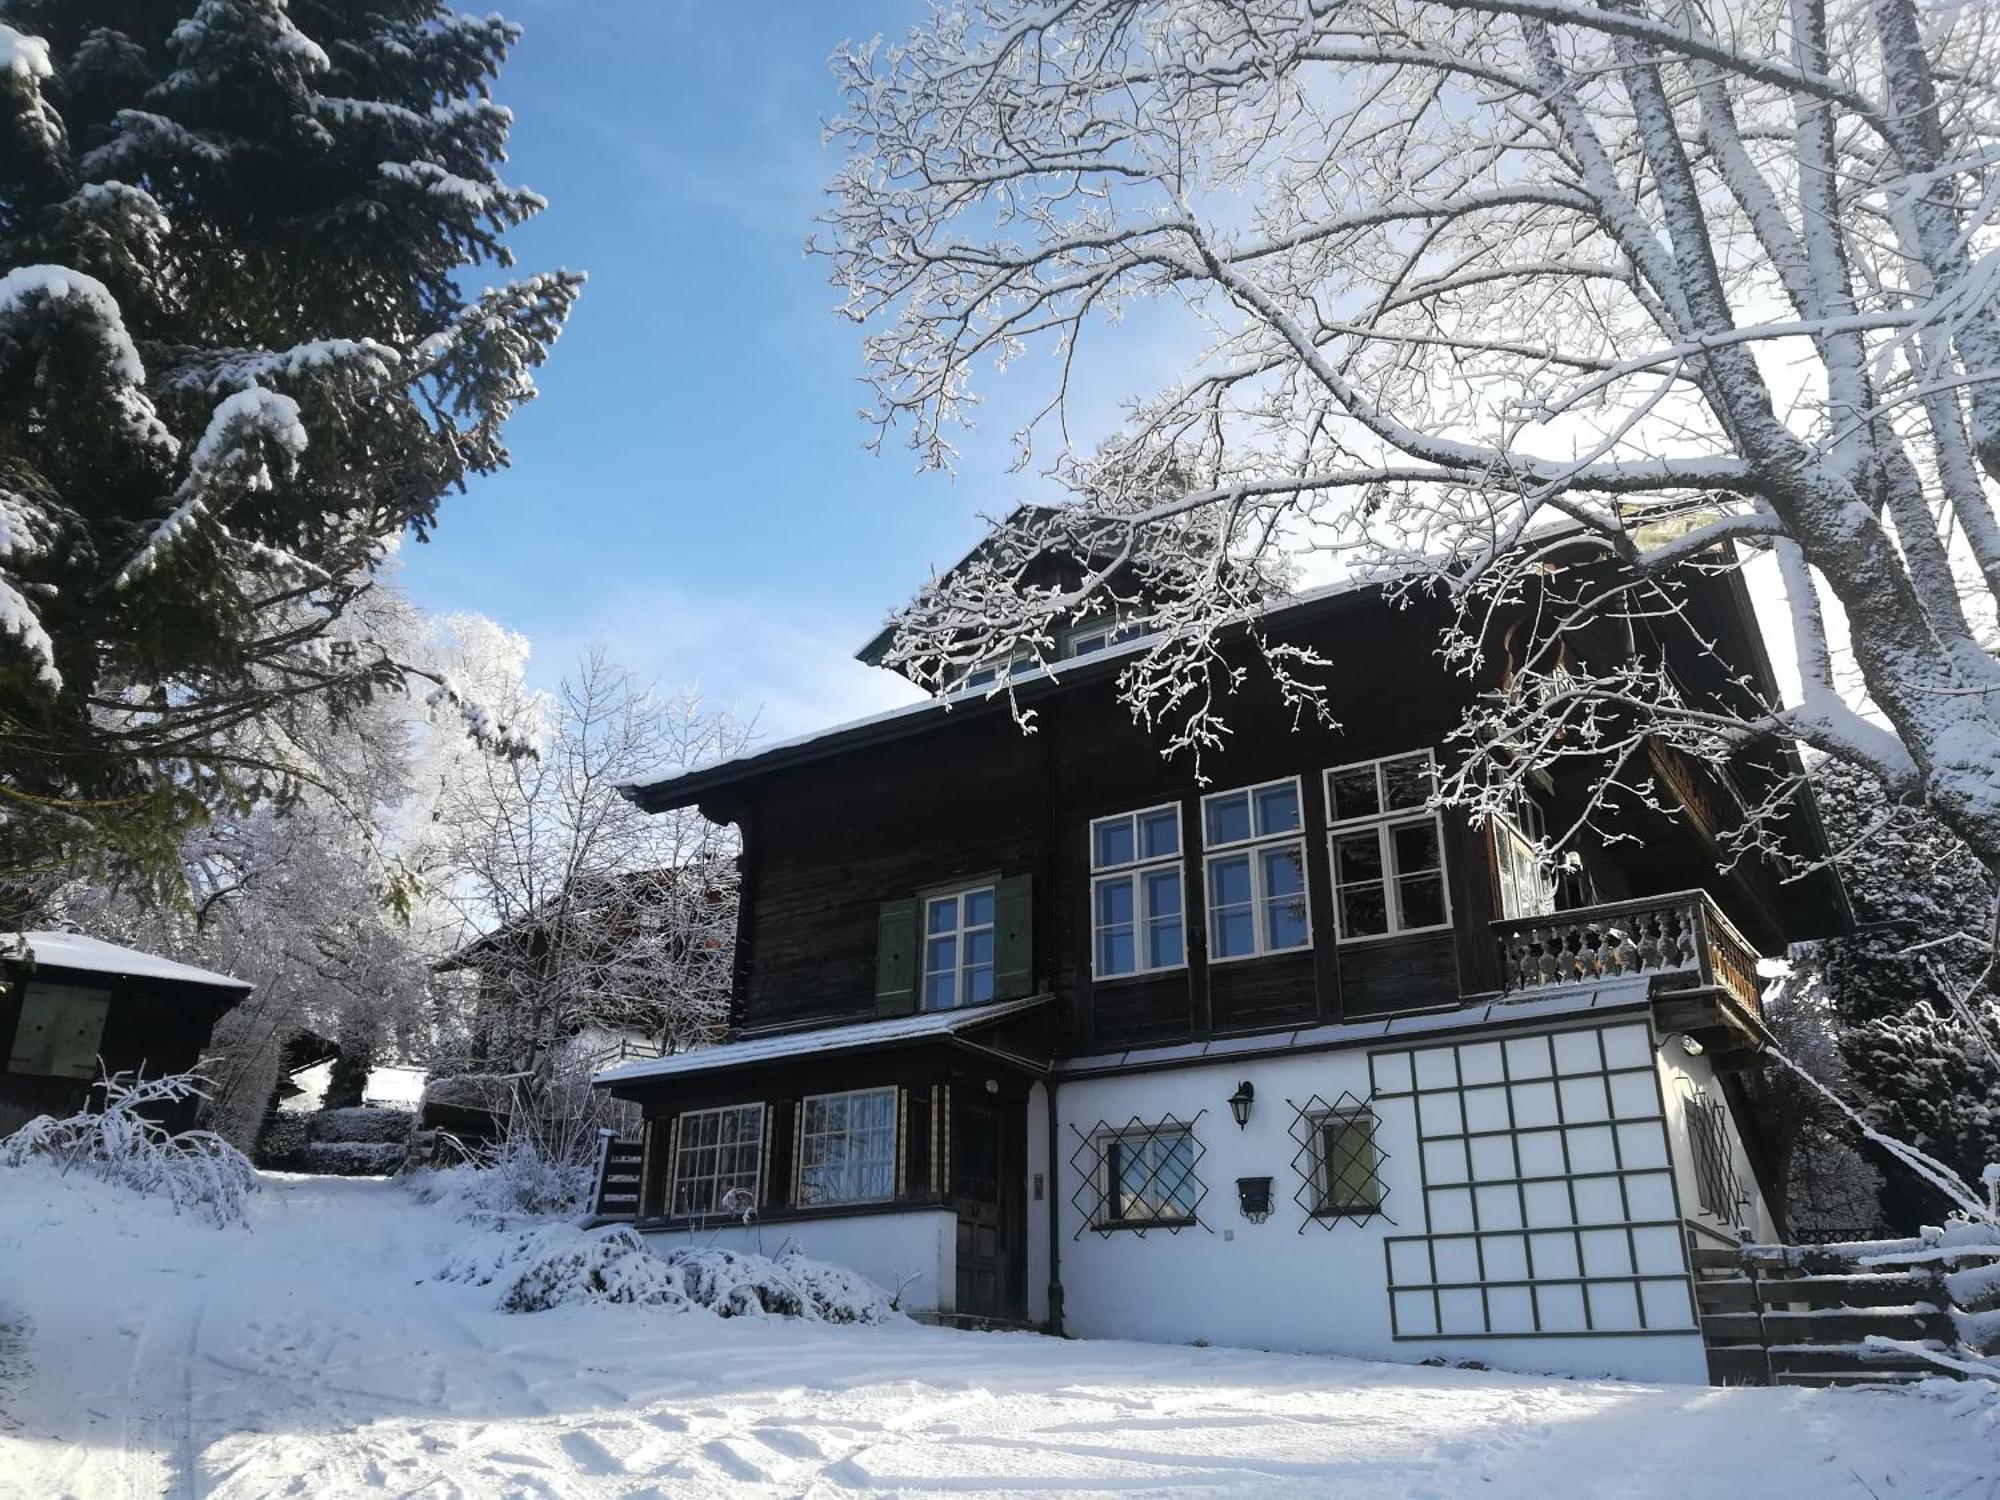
(674,1178)
(1133,871)
(1250,793)
(1254,846)
(1383,822)
(956,893)
(895,1151)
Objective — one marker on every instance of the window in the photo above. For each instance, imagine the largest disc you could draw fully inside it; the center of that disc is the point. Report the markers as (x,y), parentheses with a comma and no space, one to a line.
(1525,887)
(1387,849)
(1717,1186)
(1135,893)
(1257,889)
(993,669)
(1149,1176)
(958,949)
(847,1148)
(1097,636)
(1346,1163)
(717,1151)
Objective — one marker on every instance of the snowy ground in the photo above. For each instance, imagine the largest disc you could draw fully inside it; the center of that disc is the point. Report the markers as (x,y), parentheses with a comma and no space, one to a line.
(151,1356)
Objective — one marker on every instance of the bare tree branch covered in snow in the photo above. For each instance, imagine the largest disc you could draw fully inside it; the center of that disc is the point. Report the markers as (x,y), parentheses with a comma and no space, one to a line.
(581,913)
(1478,290)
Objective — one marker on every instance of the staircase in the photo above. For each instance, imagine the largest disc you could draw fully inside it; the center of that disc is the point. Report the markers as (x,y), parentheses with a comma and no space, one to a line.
(1784,1315)
(619,1164)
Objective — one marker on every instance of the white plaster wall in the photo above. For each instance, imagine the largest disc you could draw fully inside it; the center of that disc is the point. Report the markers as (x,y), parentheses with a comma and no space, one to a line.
(1038,1211)
(1290,1283)
(916,1252)
(1680,1075)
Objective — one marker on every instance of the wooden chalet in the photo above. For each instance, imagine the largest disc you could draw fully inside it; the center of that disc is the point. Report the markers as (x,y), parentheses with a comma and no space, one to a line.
(1039,1029)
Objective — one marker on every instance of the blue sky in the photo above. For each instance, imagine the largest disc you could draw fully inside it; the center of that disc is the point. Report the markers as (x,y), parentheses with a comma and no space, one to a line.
(692,486)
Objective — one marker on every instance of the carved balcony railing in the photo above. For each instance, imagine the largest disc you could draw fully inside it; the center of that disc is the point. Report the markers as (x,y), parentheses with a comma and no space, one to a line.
(1682,933)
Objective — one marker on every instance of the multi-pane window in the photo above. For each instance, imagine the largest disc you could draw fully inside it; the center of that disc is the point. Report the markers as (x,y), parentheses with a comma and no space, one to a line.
(1149,1176)
(958,949)
(1346,1163)
(1135,893)
(1526,889)
(1387,847)
(1255,870)
(717,1151)
(847,1148)
(1097,636)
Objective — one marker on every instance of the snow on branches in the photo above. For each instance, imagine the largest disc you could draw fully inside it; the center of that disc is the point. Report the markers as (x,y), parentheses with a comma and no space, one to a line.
(1456,276)
(122,1143)
(238,359)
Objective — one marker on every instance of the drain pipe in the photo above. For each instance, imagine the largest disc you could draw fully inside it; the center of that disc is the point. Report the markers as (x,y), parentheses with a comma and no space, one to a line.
(1055,1230)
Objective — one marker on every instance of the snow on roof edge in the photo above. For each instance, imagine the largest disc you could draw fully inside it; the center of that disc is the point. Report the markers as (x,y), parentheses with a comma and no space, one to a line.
(76,950)
(1051,673)
(782,1046)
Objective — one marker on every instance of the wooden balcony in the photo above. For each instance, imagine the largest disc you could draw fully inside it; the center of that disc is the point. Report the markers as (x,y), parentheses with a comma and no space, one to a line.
(1683,937)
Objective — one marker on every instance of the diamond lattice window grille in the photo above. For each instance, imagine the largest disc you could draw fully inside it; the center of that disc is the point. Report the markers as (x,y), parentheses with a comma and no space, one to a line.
(1716,1182)
(1339,1167)
(1154,1166)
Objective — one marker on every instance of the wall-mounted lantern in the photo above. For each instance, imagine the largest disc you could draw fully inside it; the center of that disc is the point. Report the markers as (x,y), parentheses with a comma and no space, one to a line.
(1239,1103)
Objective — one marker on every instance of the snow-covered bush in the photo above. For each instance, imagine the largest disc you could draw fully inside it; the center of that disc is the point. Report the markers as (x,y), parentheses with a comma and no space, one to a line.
(361,1122)
(195,1170)
(539,1267)
(508,1182)
(348,1158)
(732,1284)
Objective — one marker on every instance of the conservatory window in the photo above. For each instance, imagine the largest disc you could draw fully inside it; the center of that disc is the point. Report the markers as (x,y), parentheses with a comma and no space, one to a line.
(1257,882)
(958,949)
(717,1151)
(1387,848)
(1135,893)
(847,1148)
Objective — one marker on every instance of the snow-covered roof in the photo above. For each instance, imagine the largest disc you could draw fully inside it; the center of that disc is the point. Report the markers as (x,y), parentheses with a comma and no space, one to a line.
(72,950)
(659,794)
(1623,993)
(816,1041)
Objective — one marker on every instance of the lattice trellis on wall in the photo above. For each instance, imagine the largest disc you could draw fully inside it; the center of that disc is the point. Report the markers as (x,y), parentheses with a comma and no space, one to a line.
(1339,1171)
(1138,1176)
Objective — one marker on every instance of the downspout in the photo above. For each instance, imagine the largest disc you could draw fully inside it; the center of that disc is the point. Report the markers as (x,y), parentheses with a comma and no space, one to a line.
(1055,1230)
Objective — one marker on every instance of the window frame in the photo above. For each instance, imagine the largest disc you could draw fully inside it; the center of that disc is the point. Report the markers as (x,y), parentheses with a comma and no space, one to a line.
(1111,1201)
(1322,1183)
(1384,822)
(805,1134)
(1254,845)
(1133,872)
(676,1178)
(1519,832)
(958,893)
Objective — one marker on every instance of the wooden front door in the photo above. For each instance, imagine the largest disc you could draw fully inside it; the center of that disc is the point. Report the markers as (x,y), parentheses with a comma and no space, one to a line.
(987,1142)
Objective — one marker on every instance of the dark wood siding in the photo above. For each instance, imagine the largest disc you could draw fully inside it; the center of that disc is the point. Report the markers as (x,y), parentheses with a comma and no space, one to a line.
(972,797)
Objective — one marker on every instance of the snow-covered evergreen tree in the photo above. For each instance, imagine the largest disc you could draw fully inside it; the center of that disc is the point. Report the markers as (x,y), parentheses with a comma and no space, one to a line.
(237,362)
(1910,998)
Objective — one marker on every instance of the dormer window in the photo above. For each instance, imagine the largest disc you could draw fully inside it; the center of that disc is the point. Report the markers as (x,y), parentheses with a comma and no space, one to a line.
(1098,635)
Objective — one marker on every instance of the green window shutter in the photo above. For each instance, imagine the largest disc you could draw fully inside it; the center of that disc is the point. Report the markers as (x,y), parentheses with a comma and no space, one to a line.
(896,958)
(1013,937)
(60,1032)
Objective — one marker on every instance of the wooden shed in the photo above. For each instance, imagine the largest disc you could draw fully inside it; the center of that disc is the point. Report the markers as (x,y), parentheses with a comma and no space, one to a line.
(70,1004)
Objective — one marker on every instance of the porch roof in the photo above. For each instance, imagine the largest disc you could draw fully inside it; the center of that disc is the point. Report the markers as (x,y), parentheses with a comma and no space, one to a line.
(1627,992)
(784,1046)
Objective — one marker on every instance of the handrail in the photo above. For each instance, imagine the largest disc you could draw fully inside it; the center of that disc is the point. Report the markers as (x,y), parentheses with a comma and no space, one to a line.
(1682,932)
